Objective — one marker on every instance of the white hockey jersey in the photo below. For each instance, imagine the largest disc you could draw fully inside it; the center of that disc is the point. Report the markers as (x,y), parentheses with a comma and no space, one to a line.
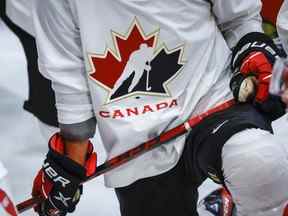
(282,25)
(140,67)
(20,12)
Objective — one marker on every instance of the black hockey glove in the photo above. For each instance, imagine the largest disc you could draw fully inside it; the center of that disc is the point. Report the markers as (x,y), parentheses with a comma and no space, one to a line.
(252,63)
(58,182)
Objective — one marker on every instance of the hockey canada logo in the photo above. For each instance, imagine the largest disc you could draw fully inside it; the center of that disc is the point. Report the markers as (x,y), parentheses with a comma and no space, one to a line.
(137,65)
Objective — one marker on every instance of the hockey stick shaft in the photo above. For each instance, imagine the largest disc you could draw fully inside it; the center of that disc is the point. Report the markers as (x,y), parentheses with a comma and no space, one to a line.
(138,150)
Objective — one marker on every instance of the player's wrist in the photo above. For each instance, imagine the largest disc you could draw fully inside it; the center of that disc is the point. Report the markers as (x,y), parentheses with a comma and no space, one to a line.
(61,163)
(77,150)
(72,155)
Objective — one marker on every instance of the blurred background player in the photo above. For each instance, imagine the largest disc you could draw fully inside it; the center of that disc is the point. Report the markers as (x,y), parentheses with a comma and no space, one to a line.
(22,137)
(219,201)
(282,28)
(16,14)
(41,99)
(282,24)
(7,207)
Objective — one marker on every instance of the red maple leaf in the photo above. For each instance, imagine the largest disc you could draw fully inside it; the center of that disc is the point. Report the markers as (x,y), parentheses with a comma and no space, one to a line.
(107,68)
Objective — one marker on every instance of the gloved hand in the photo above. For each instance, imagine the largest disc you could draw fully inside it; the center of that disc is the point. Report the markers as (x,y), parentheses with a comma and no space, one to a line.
(59,179)
(253,78)
(252,63)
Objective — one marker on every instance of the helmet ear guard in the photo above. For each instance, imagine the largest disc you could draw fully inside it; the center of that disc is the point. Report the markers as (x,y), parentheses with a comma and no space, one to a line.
(219,203)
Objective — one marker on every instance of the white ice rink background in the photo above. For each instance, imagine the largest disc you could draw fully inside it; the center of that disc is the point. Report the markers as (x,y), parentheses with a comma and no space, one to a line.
(22,147)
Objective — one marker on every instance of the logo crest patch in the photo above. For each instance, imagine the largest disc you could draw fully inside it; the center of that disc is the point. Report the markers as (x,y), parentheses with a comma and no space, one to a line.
(138,65)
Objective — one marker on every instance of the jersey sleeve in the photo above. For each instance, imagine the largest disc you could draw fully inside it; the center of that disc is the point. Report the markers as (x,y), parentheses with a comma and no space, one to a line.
(61,59)
(19,11)
(236,18)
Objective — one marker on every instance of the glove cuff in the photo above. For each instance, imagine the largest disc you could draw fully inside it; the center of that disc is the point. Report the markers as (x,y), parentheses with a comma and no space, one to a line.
(251,42)
(273,108)
(57,158)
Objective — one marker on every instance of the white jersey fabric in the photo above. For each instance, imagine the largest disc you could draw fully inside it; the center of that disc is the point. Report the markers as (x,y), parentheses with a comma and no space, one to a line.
(85,47)
(250,186)
(282,25)
(20,12)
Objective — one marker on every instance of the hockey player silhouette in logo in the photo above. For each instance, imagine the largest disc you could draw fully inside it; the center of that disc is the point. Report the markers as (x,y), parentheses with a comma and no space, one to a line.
(138,63)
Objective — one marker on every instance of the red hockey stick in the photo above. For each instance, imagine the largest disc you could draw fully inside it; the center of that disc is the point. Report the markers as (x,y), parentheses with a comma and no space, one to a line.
(138,150)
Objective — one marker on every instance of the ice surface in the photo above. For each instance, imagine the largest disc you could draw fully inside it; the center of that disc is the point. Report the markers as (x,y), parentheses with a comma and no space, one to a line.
(22,147)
